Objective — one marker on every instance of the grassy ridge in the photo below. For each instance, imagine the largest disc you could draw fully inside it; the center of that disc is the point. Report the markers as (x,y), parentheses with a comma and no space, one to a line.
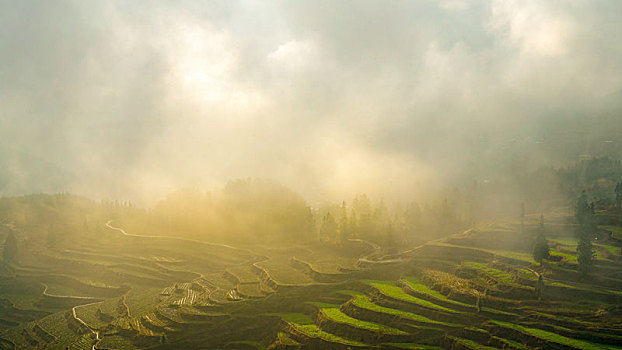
(336,315)
(555,338)
(416,285)
(363,301)
(391,290)
(305,325)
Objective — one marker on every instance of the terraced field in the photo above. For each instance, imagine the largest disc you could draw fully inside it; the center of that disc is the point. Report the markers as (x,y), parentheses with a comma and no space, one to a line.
(464,292)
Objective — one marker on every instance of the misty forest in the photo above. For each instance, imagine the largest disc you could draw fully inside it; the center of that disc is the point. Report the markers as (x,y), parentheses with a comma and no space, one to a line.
(436,174)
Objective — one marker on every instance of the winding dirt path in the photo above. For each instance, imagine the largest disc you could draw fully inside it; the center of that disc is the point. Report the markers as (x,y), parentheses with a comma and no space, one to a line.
(122,231)
(75,316)
(45,292)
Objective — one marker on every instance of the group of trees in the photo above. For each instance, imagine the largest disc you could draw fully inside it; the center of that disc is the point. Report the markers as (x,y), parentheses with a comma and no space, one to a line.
(585,229)
(245,211)
(384,226)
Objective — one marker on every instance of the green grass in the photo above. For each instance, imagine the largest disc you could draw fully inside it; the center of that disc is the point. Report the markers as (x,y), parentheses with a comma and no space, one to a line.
(527,274)
(391,290)
(85,342)
(496,311)
(612,249)
(471,344)
(116,342)
(586,288)
(286,341)
(512,343)
(416,285)
(565,241)
(555,338)
(616,230)
(568,257)
(88,314)
(338,316)
(305,325)
(56,325)
(522,256)
(142,301)
(314,331)
(363,302)
(498,275)
(300,319)
(110,306)
(321,304)
(349,292)
(22,293)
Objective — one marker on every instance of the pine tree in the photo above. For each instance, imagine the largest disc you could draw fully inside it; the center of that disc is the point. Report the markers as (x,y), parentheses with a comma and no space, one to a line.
(9,253)
(582,210)
(353,226)
(584,217)
(344,231)
(585,253)
(328,230)
(540,249)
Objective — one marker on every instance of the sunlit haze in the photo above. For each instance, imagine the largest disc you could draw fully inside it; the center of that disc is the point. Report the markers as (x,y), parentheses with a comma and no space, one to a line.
(132,100)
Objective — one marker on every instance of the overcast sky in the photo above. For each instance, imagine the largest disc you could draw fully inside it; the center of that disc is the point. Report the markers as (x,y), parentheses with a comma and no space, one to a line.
(136,98)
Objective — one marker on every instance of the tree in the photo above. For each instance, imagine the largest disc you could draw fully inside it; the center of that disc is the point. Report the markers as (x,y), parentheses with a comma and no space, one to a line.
(9,253)
(540,249)
(586,224)
(328,230)
(353,226)
(618,192)
(581,210)
(585,254)
(344,227)
(539,287)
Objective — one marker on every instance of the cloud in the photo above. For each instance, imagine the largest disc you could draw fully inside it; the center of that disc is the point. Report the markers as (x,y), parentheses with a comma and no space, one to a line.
(325,96)
(531,27)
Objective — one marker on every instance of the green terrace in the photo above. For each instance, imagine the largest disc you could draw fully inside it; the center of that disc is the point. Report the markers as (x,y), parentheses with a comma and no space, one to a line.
(338,316)
(389,289)
(554,338)
(305,325)
(363,301)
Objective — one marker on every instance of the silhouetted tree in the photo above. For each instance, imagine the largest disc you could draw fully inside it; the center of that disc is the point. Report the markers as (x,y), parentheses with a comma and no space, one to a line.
(9,253)
(585,254)
(353,226)
(540,249)
(581,210)
(329,228)
(584,217)
(344,227)
(539,287)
